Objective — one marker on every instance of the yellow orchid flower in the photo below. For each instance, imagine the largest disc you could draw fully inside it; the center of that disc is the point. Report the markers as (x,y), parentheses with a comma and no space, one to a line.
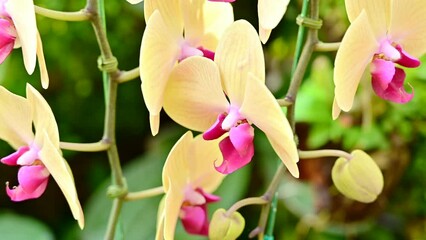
(382,33)
(176,29)
(198,92)
(18,29)
(38,154)
(188,180)
(270,14)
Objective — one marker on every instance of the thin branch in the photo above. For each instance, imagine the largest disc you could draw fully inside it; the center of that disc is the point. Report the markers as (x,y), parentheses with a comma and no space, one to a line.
(85,147)
(125,76)
(324,153)
(326,47)
(133,196)
(78,16)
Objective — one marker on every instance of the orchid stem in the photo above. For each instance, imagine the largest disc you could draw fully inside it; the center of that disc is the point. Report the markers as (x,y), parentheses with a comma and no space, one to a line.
(326,47)
(300,64)
(133,196)
(85,147)
(324,153)
(246,202)
(108,65)
(78,16)
(125,76)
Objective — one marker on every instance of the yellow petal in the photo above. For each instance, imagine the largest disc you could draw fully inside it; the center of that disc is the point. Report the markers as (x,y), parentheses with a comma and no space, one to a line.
(206,21)
(238,53)
(336,110)
(378,12)
(43,117)
(176,167)
(408,26)
(159,235)
(174,200)
(194,96)
(58,167)
(354,55)
(23,16)
(359,178)
(202,172)
(15,118)
(159,52)
(264,34)
(170,10)
(270,14)
(42,64)
(154,123)
(261,108)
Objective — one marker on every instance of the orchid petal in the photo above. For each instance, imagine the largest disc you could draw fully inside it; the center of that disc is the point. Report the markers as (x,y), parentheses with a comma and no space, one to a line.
(194,96)
(42,63)
(378,13)
(216,130)
(174,200)
(264,34)
(406,59)
(7,40)
(32,183)
(383,71)
(242,137)
(336,110)
(171,12)
(12,159)
(195,220)
(238,53)
(232,159)
(61,172)
(159,53)
(395,91)
(154,123)
(43,117)
(202,173)
(261,108)
(408,27)
(270,14)
(355,53)
(176,167)
(23,16)
(15,118)
(159,234)
(217,18)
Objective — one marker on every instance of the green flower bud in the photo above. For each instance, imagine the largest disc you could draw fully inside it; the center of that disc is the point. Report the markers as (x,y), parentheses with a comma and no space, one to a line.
(223,227)
(358,178)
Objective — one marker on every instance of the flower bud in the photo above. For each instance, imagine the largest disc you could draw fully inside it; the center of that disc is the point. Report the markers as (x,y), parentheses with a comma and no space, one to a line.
(358,178)
(225,227)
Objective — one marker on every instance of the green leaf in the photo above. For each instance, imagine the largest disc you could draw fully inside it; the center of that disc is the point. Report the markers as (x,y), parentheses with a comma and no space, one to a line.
(18,227)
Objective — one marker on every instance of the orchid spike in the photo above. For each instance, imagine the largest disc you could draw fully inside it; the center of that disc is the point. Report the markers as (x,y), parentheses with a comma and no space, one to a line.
(382,34)
(197,98)
(270,14)
(176,29)
(188,179)
(18,29)
(38,154)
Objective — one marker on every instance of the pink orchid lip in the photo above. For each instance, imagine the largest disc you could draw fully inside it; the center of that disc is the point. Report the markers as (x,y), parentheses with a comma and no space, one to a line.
(194,217)
(7,39)
(395,91)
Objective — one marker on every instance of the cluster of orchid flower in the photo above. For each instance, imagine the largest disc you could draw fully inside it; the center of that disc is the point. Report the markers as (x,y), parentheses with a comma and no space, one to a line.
(208,73)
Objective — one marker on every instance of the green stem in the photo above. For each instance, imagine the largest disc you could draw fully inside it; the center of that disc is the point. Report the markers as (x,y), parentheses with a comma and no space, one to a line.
(125,76)
(246,202)
(326,47)
(85,147)
(81,15)
(132,196)
(324,153)
(108,65)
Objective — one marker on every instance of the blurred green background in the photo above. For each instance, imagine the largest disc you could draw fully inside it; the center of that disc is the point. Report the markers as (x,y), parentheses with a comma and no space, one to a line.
(310,208)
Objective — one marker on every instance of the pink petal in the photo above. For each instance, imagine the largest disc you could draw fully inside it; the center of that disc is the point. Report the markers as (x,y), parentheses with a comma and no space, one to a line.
(195,220)
(32,183)
(215,131)
(395,92)
(232,160)
(207,53)
(210,198)
(242,137)
(407,60)
(12,159)
(7,40)
(383,71)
